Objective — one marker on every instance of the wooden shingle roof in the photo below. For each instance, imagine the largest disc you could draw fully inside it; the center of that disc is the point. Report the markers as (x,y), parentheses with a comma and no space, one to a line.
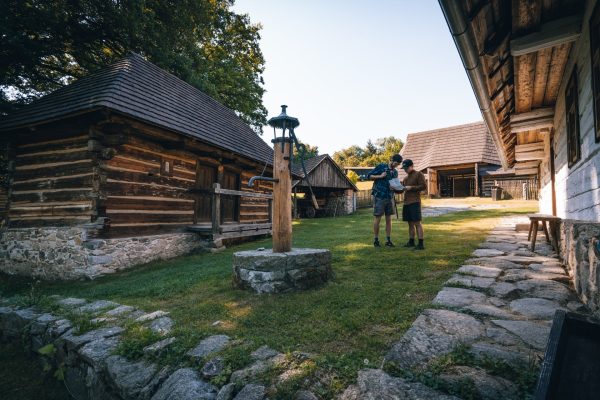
(312,163)
(139,89)
(461,144)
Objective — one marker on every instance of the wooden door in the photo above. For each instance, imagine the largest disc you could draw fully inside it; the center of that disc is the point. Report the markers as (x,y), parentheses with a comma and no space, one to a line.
(230,205)
(205,177)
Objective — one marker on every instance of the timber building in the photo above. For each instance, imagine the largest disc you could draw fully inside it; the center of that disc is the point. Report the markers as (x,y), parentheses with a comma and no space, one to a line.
(124,166)
(534,66)
(453,159)
(334,192)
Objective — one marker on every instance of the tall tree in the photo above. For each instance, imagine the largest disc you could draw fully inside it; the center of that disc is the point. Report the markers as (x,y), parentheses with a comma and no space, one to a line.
(45,44)
(372,154)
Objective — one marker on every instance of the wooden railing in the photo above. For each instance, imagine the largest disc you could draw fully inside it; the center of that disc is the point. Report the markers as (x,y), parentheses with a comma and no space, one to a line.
(236,229)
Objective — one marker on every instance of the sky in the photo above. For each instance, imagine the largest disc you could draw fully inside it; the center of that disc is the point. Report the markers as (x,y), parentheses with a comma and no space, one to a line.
(353,70)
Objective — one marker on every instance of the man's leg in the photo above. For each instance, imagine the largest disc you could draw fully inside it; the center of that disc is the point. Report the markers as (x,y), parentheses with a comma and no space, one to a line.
(376,230)
(411,235)
(388,230)
(419,229)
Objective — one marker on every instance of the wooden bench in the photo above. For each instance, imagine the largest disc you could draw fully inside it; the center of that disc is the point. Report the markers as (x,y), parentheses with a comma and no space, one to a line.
(553,221)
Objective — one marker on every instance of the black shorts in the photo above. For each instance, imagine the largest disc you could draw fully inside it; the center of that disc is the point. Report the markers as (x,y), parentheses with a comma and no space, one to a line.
(383,206)
(411,212)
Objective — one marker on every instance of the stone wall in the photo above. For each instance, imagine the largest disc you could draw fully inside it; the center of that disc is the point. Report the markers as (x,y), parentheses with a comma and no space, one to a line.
(350,197)
(67,252)
(580,252)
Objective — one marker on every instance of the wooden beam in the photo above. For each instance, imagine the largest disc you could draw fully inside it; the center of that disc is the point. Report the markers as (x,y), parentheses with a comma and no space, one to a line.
(551,34)
(541,118)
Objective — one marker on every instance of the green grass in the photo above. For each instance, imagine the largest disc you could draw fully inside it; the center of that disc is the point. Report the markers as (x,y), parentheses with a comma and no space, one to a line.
(347,324)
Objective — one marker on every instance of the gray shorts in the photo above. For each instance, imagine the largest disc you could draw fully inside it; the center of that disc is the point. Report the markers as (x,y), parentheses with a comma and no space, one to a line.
(383,206)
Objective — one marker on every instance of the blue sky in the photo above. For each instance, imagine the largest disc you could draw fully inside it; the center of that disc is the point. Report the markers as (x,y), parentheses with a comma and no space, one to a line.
(357,70)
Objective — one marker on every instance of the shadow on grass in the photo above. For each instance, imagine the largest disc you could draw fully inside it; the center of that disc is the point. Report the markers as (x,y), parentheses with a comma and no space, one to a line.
(351,321)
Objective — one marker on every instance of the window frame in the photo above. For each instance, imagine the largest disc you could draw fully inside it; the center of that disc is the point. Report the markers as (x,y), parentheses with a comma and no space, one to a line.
(572,119)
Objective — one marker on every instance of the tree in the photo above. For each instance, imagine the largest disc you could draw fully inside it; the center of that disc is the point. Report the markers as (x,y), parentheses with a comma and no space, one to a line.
(311,151)
(45,44)
(353,176)
(372,154)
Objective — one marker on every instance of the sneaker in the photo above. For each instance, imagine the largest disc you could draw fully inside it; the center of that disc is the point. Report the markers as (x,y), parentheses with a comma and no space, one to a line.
(409,244)
(376,243)
(389,244)
(419,247)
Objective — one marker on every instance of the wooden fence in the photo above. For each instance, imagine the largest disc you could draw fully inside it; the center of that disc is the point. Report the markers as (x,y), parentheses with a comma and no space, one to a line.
(522,188)
(364,198)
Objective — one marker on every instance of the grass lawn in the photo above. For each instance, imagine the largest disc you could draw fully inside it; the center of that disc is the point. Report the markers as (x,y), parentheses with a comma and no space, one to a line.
(347,324)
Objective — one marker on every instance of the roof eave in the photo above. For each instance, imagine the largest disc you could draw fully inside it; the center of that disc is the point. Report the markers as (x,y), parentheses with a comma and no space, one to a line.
(465,44)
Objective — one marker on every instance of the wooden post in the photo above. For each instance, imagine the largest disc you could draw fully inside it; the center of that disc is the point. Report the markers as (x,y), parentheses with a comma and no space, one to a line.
(282,197)
(477,179)
(295,203)
(216,209)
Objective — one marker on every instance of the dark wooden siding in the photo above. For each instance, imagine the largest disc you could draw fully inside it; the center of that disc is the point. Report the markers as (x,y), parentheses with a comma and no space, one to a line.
(53,183)
(254,210)
(139,195)
(327,175)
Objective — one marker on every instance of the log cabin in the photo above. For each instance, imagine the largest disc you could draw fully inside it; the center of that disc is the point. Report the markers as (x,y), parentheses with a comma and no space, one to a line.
(454,159)
(534,66)
(127,165)
(334,192)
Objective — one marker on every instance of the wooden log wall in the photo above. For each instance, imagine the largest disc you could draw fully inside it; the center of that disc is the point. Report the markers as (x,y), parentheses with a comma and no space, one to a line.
(52,183)
(137,195)
(254,210)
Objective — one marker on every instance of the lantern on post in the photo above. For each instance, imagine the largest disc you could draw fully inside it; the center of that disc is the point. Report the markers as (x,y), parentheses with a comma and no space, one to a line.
(282,178)
(282,185)
(282,269)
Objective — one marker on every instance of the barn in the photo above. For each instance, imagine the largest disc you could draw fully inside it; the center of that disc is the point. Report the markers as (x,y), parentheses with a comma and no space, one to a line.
(455,160)
(333,191)
(125,166)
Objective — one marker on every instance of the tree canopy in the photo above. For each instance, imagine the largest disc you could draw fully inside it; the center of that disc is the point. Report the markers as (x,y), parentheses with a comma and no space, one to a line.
(311,151)
(372,154)
(45,44)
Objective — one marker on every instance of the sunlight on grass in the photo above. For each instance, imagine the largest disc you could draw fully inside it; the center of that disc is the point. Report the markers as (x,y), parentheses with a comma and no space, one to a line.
(376,295)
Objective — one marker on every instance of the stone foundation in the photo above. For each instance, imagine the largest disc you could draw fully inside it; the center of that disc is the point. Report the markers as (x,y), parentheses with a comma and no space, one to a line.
(580,252)
(266,272)
(66,253)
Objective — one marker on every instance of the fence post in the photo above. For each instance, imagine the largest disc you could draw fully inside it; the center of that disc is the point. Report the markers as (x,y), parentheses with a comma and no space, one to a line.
(216,209)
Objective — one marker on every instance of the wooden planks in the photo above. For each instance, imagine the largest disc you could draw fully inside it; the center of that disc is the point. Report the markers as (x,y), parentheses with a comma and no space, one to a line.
(548,35)
(135,190)
(52,184)
(530,152)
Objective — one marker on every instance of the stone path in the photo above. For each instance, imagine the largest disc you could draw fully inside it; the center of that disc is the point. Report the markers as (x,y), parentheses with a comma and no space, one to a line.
(499,304)
(93,371)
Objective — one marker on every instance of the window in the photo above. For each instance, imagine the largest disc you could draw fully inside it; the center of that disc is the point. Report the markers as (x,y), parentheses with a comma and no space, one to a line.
(572,111)
(595,53)
(166,167)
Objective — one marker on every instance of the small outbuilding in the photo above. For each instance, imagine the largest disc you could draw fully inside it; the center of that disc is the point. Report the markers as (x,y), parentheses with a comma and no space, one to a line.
(334,192)
(458,160)
(125,166)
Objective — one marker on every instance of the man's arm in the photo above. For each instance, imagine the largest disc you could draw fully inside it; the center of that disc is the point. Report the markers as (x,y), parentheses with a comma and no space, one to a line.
(420,186)
(377,173)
